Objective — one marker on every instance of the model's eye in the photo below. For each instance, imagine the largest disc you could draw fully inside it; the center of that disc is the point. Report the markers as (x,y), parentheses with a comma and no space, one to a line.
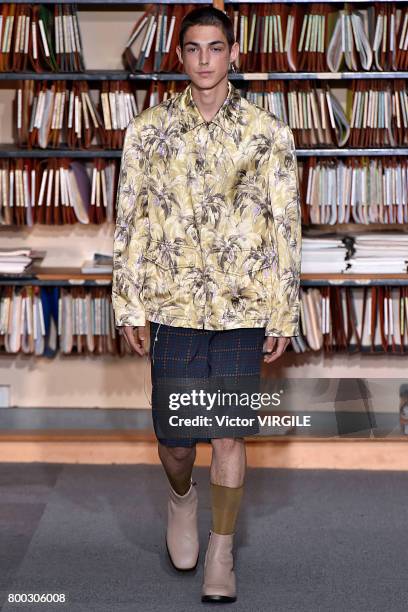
(190,49)
(217,49)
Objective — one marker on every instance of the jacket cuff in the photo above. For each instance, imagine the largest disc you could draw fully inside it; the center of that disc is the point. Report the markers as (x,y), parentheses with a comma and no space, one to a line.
(130,319)
(282,329)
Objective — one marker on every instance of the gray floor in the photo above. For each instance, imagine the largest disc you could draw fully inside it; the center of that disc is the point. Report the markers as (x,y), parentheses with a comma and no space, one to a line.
(309,540)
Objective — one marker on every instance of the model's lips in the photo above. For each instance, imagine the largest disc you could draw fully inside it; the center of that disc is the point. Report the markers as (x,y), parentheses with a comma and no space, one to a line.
(205,73)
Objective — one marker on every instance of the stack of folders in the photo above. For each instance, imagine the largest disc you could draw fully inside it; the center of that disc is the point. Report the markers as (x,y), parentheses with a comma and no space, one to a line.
(375,114)
(14,262)
(374,38)
(65,112)
(323,255)
(80,320)
(151,46)
(379,253)
(35,37)
(314,113)
(57,191)
(379,113)
(320,37)
(367,319)
(45,320)
(100,264)
(355,190)
(281,37)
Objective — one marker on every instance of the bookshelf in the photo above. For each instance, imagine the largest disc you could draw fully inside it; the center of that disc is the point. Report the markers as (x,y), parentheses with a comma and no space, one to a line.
(56,274)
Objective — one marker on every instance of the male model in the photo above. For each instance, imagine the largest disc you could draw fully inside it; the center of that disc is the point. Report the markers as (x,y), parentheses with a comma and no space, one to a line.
(207,249)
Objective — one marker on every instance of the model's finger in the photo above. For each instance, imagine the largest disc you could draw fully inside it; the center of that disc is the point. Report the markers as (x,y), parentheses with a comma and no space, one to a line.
(269,344)
(131,340)
(140,339)
(280,349)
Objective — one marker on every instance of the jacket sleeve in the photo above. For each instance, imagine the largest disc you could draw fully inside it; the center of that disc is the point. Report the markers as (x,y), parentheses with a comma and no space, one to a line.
(284,199)
(130,232)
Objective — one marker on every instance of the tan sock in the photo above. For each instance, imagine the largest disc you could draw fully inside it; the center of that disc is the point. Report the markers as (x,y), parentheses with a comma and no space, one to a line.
(225,503)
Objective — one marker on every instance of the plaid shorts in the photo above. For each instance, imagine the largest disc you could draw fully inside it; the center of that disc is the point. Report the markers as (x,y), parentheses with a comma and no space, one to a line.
(187,353)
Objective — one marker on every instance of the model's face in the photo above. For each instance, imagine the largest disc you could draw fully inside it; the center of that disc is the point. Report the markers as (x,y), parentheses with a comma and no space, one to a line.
(205,55)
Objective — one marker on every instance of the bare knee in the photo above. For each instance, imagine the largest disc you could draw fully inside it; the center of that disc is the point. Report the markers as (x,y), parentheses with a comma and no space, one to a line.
(179,453)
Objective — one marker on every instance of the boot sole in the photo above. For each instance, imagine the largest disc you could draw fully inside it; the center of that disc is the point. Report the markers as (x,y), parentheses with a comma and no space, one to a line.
(217,599)
(181,569)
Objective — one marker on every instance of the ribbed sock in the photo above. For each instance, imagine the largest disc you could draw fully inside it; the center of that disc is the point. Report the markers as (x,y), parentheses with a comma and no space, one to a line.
(225,503)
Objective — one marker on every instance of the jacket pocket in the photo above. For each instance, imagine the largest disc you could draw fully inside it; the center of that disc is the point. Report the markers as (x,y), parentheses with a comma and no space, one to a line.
(243,282)
(243,262)
(171,255)
(169,269)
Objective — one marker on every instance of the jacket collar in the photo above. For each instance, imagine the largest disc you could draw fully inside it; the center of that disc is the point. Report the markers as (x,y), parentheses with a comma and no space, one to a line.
(226,116)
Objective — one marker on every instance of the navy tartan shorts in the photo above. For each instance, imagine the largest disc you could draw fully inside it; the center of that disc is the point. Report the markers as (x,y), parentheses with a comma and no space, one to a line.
(183,352)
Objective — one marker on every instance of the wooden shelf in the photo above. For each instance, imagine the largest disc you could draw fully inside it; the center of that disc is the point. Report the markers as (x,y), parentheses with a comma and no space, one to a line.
(347,151)
(283,76)
(72,276)
(8,150)
(124,75)
(317,229)
(86,75)
(353,280)
(68,274)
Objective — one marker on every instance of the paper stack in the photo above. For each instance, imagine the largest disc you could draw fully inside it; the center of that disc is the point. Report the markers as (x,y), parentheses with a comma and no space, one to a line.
(100,264)
(15,261)
(379,253)
(323,255)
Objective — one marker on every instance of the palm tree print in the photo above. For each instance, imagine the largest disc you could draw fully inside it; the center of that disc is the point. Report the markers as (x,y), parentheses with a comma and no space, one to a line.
(226,249)
(260,148)
(250,191)
(161,140)
(163,196)
(208,223)
(212,209)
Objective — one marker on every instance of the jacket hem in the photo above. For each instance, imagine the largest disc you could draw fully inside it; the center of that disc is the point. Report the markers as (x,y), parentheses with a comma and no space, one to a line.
(176,321)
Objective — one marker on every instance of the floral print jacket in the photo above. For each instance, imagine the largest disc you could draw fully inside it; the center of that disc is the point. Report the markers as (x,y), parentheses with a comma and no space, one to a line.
(208,231)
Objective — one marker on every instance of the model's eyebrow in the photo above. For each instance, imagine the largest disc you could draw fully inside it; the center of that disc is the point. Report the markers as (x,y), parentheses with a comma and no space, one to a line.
(213,42)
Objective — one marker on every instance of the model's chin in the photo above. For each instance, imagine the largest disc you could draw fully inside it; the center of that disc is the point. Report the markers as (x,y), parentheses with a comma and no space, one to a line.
(206,80)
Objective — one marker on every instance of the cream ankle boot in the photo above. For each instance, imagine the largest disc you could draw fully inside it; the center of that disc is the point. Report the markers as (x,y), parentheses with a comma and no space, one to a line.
(219,578)
(182,530)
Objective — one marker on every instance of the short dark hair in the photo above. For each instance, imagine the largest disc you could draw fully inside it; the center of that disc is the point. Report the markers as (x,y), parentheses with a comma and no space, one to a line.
(207,15)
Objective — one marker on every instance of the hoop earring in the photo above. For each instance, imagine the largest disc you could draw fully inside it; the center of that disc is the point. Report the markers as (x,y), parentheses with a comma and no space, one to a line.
(232,67)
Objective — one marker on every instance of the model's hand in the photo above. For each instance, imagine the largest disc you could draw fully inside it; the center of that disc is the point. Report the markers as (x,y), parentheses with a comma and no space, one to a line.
(137,338)
(275,347)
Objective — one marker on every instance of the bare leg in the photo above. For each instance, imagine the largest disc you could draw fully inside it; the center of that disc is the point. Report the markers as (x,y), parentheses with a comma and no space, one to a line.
(228,464)
(178,464)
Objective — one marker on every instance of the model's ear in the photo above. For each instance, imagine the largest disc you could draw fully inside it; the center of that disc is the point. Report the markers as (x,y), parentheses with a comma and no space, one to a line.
(234,52)
(179,54)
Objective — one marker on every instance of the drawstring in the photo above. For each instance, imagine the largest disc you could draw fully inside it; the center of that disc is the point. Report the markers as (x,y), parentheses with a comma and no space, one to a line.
(147,361)
(144,381)
(154,343)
